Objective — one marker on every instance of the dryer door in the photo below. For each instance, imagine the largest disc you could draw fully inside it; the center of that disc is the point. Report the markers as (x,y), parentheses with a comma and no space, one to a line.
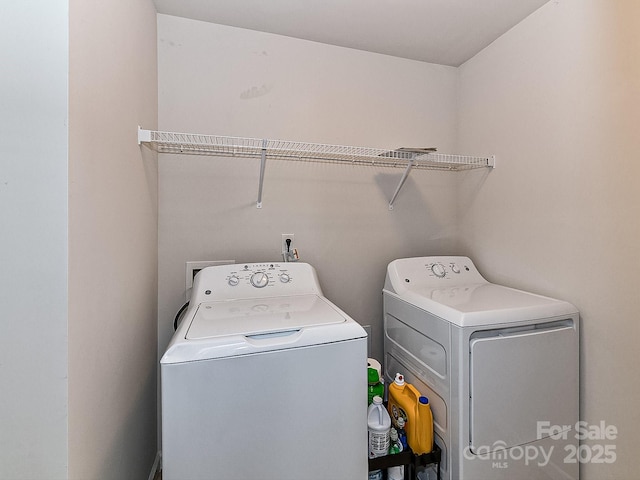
(519,378)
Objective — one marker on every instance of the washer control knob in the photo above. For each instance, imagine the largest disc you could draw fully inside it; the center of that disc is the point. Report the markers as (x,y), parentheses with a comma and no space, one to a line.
(455,268)
(438,270)
(285,278)
(234,280)
(259,280)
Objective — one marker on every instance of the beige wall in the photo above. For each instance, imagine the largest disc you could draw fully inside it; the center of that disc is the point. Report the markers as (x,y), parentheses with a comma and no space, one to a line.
(112,240)
(557,100)
(228,81)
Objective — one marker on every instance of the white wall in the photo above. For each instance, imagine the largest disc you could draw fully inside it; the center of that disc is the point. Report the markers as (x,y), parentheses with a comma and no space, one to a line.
(33,240)
(228,81)
(78,202)
(112,240)
(557,100)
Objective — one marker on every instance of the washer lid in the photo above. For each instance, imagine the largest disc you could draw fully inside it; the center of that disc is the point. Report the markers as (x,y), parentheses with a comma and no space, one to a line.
(259,316)
(485,304)
(231,328)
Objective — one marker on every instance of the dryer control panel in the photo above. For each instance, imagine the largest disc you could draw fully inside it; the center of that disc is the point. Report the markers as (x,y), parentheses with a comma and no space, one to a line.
(431,272)
(254,280)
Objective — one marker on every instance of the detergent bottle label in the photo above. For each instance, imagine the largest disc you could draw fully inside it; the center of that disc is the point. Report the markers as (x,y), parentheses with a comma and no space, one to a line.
(378,443)
(397,412)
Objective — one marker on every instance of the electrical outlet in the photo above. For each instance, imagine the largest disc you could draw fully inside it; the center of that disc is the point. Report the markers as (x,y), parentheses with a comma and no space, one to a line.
(286,236)
(194,267)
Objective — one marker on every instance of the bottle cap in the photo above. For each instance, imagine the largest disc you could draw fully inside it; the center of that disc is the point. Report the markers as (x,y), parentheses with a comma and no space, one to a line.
(393,434)
(377,400)
(423,400)
(400,422)
(399,379)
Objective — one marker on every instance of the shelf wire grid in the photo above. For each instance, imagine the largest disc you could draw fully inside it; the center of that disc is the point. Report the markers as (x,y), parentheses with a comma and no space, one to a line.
(197,144)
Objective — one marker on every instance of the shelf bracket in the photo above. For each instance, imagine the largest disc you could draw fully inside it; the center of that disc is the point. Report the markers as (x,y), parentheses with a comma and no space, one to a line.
(402,180)
(263,161)
(143,135)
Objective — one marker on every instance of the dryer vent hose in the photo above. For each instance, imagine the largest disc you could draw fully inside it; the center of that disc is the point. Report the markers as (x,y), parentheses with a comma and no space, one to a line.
(178,315)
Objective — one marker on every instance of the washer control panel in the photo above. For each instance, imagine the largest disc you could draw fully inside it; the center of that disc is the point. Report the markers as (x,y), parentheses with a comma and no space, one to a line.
(249,280)
(259,275)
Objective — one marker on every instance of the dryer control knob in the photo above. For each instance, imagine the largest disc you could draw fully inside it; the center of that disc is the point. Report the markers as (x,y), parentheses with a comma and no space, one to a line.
(234,280)
(285,278)
(438,270)
(455,268)
(259,280)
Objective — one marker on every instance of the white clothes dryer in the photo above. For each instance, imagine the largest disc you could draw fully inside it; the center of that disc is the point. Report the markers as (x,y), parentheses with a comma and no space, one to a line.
(499,366)
(264,378)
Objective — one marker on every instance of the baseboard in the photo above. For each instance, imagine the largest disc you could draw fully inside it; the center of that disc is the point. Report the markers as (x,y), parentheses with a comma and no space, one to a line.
(156,466)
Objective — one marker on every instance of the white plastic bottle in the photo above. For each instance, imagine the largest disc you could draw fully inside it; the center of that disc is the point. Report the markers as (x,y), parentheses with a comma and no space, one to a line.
(379,424)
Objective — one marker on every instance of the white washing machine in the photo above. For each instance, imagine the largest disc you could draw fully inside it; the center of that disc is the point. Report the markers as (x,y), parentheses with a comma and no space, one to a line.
(264,378)
(499,366)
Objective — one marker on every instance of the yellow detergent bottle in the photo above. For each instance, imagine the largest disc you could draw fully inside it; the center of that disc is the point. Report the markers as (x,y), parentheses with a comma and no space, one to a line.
(405,401)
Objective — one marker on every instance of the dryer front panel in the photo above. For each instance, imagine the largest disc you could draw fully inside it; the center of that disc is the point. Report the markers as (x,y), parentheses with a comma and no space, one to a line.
(519,377)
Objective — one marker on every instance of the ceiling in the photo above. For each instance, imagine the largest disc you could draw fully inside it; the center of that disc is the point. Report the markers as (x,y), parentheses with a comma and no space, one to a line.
(446,32)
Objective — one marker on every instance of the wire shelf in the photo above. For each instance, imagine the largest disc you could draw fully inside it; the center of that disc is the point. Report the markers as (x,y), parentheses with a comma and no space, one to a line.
(216,145)
(224,146)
